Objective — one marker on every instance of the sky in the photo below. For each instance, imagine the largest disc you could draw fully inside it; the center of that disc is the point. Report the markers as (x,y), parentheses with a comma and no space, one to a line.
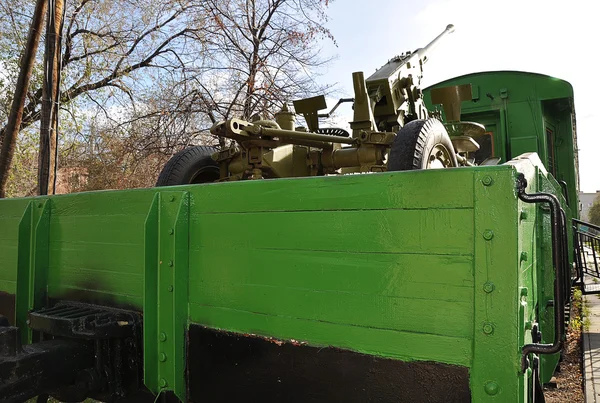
(556,38)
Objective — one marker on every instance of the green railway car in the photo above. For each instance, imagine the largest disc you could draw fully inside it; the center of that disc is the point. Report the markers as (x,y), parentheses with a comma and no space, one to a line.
(522,113)
(435,285)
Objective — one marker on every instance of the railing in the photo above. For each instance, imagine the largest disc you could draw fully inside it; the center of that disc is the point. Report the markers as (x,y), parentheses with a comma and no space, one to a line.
(587,255)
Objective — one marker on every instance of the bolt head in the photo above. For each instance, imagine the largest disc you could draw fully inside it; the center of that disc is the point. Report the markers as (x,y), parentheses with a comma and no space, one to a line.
(491,388)
(170,263)
(162,336)
(172,198)
(163,383)
(170,288)
(487,180)
(488,234)
(489,287)
(488,328)
(162,357)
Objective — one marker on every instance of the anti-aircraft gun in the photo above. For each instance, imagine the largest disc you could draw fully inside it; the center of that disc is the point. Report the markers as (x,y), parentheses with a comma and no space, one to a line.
(391,130)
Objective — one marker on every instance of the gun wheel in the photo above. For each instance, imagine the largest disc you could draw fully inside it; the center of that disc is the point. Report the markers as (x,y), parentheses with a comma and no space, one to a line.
(422,144)
(192,165)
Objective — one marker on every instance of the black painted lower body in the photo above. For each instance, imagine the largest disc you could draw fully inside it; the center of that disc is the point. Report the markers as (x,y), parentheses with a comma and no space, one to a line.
(227,367)
(7,306)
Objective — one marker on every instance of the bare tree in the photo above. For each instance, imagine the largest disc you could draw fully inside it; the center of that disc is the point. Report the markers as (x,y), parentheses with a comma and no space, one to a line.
(257,54)
(155,75)
(265,50)
(107,44)
(15,117)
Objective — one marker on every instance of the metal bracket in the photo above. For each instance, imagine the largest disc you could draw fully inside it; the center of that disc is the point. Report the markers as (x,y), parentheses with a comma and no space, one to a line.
(166,292)
(32,265)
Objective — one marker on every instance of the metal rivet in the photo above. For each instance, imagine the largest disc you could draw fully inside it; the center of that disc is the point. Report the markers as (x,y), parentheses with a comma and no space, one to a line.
(40,205)
(163,383)
(162,357)
(488,328)
(523,256)
(489,287)
(523,215)
(162,336)
(491,388)
(488,234)
(172,198)
(171,231)
(170,288)
(487,180)
(170,263)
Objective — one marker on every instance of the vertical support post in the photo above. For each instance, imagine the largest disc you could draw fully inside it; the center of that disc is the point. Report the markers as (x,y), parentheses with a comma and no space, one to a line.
(32,263)
(496,274)
(166,292)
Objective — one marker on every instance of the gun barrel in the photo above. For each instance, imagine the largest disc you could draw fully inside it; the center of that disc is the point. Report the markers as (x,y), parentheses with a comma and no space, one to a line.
(423,51)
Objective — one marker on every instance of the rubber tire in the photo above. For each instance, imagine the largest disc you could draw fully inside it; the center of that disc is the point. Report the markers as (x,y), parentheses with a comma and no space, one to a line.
(416,140)
(185,167)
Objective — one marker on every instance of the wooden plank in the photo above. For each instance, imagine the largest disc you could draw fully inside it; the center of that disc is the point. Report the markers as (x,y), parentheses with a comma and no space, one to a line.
(404,190)
(434,231)
(387,343)
(8,286)
(443,278)
(100,256)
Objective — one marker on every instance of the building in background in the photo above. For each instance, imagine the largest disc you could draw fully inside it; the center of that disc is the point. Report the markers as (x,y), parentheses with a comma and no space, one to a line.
(586,200)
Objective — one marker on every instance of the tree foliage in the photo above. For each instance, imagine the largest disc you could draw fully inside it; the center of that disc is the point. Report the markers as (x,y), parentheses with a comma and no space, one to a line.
(145,78)
(594,213)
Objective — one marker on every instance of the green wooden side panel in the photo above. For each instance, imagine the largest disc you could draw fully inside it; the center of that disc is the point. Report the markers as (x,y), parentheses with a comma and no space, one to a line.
(97,246)
(313,259)
(10,217)
(440,265)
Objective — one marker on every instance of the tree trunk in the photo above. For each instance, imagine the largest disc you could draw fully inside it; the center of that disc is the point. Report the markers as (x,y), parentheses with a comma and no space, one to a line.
(50,96)
(16,111)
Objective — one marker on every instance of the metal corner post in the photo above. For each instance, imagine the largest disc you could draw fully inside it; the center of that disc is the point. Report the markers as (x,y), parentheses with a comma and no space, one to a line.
(166,292)
(32,266)
(495,334)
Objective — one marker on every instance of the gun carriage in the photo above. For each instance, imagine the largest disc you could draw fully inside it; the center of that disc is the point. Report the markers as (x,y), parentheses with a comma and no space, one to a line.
(391,130)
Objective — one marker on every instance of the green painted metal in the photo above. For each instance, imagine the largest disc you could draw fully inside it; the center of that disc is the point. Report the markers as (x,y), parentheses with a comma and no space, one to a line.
(33,236)
(452,272)
(166,292)
(520,108)
(496,289)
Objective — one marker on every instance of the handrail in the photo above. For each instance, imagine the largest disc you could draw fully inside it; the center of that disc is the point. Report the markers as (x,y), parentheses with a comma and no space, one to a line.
(556,220)
(587,224)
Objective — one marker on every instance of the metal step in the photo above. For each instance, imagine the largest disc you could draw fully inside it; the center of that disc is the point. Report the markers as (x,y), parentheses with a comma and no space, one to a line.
(74,319)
